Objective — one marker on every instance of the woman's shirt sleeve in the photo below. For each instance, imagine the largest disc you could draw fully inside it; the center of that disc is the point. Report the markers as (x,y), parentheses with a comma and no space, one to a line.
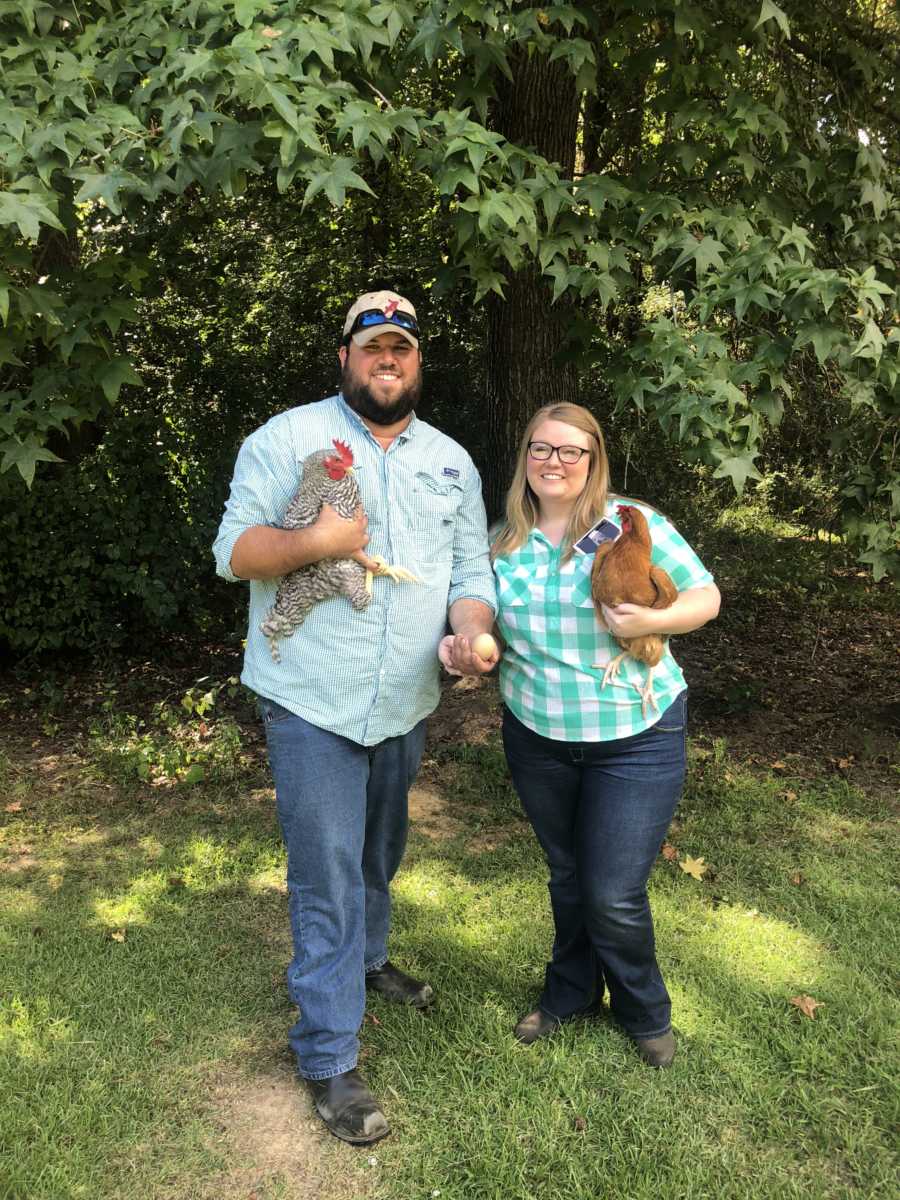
(676,557)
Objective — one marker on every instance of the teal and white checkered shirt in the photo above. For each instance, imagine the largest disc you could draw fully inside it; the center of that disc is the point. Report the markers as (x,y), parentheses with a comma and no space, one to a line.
(371,675)
(553,639)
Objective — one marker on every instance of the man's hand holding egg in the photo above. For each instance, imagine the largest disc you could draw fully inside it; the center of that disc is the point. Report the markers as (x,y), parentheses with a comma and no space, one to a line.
(468,656)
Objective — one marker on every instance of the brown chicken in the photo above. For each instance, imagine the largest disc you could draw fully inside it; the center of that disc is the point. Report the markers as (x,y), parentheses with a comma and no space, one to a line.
(623,574)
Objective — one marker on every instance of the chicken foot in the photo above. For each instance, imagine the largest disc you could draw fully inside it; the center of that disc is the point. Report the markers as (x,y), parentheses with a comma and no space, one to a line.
(645,690)
(398,574)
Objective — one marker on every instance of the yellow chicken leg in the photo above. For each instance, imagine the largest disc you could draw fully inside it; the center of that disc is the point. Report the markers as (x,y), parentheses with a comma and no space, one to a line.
(648,700)
(612,668)
(398,574)
(645,690)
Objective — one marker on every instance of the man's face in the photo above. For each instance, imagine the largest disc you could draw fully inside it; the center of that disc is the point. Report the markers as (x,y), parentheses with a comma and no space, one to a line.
(381,381)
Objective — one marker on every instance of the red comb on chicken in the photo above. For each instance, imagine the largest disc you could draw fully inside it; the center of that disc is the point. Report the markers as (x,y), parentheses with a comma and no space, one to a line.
(337,465)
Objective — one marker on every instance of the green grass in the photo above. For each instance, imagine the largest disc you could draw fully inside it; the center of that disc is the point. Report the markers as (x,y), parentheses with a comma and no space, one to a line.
(144,935)
(111,1048)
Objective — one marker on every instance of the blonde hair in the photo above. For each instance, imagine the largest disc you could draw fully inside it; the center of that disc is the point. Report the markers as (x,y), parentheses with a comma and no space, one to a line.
(522,506)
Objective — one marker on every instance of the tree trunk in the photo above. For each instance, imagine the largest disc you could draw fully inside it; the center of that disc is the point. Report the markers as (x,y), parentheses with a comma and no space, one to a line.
(538,108)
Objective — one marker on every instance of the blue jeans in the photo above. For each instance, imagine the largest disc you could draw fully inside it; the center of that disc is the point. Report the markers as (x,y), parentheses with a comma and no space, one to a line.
(343,814)
(600,811)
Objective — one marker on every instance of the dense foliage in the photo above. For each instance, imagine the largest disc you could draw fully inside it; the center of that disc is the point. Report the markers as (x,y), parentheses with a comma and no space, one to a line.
(727,245)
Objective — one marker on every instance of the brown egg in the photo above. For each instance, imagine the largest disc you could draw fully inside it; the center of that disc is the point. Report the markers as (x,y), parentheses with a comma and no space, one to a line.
(484,646)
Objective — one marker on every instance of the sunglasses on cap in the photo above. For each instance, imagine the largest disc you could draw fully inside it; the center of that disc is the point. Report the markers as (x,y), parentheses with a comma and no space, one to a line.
(376,316)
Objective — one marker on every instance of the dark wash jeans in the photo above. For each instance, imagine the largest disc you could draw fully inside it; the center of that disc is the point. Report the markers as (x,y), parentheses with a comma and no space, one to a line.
(344,819)
(600,811)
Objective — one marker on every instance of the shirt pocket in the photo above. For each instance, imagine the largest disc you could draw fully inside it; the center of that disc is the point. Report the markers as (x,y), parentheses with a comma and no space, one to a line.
(513,591)
(435,522)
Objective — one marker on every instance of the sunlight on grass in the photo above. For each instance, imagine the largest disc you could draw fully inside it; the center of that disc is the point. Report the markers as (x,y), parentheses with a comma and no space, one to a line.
(269,879)
(131,908)
(20,903)
(759,950)
(32,1031)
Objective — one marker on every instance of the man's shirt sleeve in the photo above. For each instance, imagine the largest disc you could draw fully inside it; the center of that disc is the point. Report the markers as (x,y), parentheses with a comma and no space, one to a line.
(265,479)
(472,577)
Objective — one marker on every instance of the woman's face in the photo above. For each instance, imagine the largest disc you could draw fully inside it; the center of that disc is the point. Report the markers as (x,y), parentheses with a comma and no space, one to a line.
(552,480)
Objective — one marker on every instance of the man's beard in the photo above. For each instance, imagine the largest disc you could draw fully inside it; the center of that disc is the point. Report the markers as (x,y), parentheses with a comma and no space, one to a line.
(361,400)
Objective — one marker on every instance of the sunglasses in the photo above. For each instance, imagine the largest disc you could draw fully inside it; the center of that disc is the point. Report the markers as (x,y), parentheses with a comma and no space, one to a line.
(376,316)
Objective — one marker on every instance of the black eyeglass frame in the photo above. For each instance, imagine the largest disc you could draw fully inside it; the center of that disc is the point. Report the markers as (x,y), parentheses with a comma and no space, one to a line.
(376,316)
(581,453)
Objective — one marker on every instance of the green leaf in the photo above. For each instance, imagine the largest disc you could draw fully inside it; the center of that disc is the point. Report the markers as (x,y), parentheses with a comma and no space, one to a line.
(285,109)
(105,186)
(738,468)
(771,12)
(335,181)
(705,253)
(874,194)
(25,455)
(871,344)
(797,237)
(194,774)
(771,406)
(27,211)
(825,340)
(113,374)
(454,175)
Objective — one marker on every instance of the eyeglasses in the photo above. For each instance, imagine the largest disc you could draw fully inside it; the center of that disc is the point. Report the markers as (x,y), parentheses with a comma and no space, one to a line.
(541,451)
(377,316)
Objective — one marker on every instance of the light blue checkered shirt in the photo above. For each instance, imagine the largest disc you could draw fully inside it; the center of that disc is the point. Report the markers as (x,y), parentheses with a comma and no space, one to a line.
(371,675)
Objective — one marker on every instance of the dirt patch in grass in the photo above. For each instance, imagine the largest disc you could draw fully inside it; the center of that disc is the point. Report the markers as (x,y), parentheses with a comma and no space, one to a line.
(428,814)
(279,1145)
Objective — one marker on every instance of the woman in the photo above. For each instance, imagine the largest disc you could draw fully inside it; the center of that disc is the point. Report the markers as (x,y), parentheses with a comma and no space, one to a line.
(597,778)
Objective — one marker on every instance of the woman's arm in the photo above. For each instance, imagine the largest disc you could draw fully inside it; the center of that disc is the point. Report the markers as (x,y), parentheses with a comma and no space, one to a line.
(692,609)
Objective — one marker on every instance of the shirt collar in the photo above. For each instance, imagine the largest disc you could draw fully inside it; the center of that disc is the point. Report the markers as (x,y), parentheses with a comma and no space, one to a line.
(356,419)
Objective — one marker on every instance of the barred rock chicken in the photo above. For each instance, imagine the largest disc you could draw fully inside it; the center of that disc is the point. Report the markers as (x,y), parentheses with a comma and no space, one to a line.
(327,479)
(623,574)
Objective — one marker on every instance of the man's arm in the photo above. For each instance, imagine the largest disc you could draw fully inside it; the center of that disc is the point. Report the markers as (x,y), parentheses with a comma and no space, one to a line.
(250,544)
(473,594)
(263,552)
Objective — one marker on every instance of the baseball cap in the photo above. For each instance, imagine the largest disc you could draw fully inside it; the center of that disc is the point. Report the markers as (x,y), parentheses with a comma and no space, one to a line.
(381,312)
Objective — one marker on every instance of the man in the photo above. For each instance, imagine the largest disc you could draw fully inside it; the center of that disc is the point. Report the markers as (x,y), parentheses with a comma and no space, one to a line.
(344,710)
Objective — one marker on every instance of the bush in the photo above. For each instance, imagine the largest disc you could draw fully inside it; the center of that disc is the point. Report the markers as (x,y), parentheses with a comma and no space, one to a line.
(112,548)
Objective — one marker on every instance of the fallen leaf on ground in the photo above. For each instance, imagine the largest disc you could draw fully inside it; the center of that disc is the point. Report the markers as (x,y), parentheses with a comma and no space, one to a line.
(117,935)
(580,1124)
(797,878)
(694,866)
(778,766)
(669,853)
(16,806)
(789,795)
(807,1005)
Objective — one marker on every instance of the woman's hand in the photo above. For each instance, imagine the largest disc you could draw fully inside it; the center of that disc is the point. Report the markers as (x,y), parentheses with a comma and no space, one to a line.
(633,620)
(692,609)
